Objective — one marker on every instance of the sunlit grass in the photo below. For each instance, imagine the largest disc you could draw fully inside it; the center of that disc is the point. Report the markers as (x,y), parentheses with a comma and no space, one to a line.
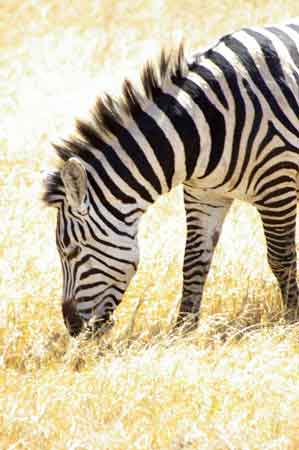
(232,384)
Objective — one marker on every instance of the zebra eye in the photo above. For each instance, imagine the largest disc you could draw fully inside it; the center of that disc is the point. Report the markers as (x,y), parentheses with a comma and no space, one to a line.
(74,252)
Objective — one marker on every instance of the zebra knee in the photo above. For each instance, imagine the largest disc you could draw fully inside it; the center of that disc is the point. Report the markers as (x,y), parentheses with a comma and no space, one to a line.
(187,321)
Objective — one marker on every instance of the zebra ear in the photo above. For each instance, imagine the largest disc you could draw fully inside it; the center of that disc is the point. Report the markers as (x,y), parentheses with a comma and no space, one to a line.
(74,178)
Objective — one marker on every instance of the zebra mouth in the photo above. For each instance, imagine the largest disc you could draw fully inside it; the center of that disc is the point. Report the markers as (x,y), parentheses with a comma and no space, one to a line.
(73,322)
(96,327)
(76,322)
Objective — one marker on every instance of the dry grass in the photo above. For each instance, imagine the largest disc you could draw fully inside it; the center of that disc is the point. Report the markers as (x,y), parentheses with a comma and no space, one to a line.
(233,384)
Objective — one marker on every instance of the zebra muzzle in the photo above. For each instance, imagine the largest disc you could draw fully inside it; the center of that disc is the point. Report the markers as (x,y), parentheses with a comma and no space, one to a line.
(72,320)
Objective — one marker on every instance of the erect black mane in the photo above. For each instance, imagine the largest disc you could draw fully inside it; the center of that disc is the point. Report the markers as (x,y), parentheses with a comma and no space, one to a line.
(109,113)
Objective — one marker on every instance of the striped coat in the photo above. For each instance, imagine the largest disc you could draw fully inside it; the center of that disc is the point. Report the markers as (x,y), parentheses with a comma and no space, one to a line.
(223,123)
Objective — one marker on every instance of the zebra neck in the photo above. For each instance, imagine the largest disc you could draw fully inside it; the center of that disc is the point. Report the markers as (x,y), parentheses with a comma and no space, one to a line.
(163,142)
(159,146)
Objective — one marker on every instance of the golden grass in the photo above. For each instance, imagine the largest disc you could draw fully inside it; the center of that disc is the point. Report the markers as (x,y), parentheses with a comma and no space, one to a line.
(232,384)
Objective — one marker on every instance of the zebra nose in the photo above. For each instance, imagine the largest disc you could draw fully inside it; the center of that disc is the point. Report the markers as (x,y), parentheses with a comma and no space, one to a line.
(71,318)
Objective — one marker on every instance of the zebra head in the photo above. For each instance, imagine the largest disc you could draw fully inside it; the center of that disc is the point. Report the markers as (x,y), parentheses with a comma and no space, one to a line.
(97,247)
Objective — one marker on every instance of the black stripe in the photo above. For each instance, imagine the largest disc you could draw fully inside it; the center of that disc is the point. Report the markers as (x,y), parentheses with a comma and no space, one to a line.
(90,272)
(57,234)
(193,249)
(65,238)
(192,275)
(191,261)
(271,171)
(85,298)
(271,132)
(109,255)
(213,117)
(240,112)
(88,257)
(278,203)
(278,222)
(137,155)
(269,156)
(271,234)
(185,127)
(100,241)
(123,172)
(108,206)
(274,65)
(288,42)
(72,226)
(278,213)
(110,306)
(272,195)
(89,286)
(192,238)
(158,141)
(274,182)
(97,226)
(258,114)
(296,76)
(248,62)
(293,27)
(211,80)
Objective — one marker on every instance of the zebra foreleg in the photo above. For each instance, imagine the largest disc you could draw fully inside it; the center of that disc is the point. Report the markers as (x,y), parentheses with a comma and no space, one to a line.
(205,214)
(280,229)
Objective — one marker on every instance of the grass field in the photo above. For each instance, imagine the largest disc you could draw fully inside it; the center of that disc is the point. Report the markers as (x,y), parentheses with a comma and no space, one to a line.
(232,384)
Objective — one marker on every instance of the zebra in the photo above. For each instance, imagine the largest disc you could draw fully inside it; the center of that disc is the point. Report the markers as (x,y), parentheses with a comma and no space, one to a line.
(224,124)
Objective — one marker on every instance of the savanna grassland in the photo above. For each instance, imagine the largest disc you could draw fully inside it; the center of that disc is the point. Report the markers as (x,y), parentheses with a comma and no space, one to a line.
(232,384)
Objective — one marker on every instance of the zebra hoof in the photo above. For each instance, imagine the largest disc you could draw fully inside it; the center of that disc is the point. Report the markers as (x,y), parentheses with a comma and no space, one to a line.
(292,315)
(186,323)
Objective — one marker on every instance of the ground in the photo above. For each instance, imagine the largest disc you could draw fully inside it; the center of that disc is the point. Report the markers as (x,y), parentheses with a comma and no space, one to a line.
(232,384)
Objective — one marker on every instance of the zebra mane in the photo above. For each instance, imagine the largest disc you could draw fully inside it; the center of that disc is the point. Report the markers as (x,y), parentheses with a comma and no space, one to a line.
(110,112)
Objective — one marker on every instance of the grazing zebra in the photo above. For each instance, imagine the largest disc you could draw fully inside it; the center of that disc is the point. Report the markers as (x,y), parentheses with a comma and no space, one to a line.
(225,124)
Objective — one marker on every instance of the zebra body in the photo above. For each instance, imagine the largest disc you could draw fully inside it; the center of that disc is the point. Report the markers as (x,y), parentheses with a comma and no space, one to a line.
(225,125)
